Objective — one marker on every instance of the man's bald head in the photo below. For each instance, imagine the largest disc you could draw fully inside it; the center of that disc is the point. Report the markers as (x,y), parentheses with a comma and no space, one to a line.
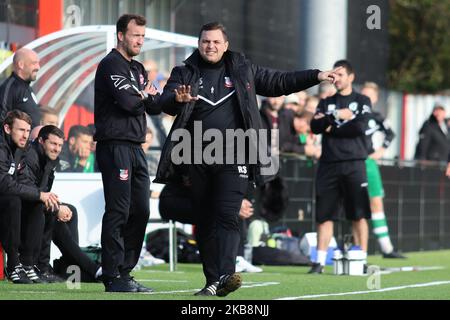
(26,64)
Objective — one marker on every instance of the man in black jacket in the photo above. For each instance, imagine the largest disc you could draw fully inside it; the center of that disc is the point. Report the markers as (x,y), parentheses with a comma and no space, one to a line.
(216,91)
(16,92)
(122,97)
(13,148)
(434,139)
(341,175)
(45,225)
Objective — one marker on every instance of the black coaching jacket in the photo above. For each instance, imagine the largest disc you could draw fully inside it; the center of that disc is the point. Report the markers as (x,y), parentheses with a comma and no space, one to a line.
(119,111)
(40,170)
(249,80)
(12,165)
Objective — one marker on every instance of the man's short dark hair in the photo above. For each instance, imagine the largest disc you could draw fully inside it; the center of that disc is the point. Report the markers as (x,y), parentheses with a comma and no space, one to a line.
(48,130)
(346,65)
(124,20)
(438,107)
(16,114)
(214,26)
(78,130)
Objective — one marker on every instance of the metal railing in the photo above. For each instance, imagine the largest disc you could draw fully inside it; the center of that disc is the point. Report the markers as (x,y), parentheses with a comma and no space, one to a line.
(416,203)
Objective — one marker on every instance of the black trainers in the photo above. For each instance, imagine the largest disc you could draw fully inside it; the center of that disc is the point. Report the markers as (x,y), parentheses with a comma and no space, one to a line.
(228,284)
(32,275)
(139,287)
(18,275)
(316,268)
(208,290)
(119,285)
(48,275)
(393,255)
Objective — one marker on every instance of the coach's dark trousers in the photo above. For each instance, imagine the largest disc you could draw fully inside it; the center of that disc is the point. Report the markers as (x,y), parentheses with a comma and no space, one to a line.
(21,227)
(217,192)
(65,237)
(126,187)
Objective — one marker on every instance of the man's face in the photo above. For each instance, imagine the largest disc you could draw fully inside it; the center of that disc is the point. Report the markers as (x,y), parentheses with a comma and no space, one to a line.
(371,93)
(133,39)
(48,119)
(19,132)
(30,66)
(301,125)
(439,114)
(52,146)
(81,145)
(212,45)
(275,102)
(343,79)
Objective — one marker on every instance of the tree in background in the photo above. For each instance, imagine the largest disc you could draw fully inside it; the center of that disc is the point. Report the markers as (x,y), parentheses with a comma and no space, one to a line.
(419,45)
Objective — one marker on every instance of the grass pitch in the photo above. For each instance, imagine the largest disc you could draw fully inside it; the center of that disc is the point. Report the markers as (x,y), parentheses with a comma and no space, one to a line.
(286,283)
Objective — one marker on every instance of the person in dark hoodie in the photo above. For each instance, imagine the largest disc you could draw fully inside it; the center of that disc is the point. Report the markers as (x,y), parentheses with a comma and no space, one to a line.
(434,140)
(13,149)
(41,161)
(216,89)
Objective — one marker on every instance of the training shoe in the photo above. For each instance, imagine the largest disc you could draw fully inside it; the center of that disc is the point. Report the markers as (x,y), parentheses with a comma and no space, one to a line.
(139,287)
(18,275)
(393,255)
(243,265)
(32,275)
(146,259)
(316,268)
(119,285)
(208,290)
(228,284)
(49,275)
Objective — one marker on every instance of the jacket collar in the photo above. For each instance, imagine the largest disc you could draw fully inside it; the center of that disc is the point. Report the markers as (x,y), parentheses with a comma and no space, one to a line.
(43,159)
(20,80)
(6,139)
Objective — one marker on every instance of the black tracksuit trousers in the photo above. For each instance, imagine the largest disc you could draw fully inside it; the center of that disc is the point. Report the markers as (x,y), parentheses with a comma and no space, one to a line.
(126,187)
(65,237)
(22,224)
(217,192)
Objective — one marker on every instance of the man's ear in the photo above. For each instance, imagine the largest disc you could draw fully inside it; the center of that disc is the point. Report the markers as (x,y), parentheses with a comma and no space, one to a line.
(352,77)
(7,129)
(120,36)
(41,141)
(226,46)
(21,64)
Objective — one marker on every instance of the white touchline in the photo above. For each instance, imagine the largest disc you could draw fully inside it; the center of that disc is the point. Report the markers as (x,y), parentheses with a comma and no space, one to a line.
(159,280)
(418,285)
(245,285)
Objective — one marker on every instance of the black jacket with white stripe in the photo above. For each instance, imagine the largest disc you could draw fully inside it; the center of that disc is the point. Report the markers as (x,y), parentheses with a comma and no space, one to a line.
(248,79)
(119,111)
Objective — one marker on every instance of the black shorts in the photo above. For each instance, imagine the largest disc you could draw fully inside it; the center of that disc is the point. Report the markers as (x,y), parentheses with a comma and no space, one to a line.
(342,184)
